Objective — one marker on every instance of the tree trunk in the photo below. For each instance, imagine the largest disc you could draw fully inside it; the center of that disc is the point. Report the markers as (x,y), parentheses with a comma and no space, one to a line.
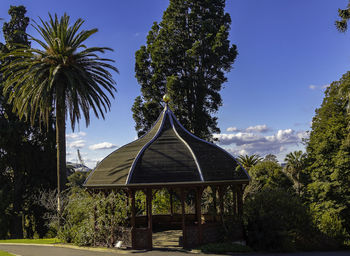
(61,147)
(16,229)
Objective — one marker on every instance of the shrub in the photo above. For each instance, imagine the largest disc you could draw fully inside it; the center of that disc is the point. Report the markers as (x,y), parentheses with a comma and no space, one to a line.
(93,219)
(275,220)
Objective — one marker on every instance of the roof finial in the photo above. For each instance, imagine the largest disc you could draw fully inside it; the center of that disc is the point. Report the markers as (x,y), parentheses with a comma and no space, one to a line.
(166,98)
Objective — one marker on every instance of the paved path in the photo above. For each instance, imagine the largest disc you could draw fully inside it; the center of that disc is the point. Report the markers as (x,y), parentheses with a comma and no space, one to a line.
(33,250)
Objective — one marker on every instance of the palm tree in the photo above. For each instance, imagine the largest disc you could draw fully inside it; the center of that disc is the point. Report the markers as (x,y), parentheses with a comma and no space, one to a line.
(249,161)
(295,164)
(64,75)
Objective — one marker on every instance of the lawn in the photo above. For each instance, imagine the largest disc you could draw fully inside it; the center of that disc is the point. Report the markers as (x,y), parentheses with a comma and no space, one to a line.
(3,253)
(32,241)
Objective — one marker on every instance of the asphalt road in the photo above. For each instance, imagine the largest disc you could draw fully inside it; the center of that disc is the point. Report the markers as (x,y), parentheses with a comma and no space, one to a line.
(33,250)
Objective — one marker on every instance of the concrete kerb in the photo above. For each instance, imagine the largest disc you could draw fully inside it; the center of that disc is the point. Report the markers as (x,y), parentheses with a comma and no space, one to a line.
(76,247)
(97,249)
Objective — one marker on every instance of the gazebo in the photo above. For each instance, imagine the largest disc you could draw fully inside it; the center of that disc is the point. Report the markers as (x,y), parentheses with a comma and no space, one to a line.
(170,157)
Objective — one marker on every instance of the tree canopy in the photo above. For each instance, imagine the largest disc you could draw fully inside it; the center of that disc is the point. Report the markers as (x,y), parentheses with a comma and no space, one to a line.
(27,153)
(63,75)
(328,151)
(187,55)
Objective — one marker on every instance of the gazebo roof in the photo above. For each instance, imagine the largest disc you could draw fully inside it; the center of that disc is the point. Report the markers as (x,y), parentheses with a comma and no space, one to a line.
(168,154)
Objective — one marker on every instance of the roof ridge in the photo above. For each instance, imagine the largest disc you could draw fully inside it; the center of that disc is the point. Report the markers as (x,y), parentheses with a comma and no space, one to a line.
(144,147)
(213,144)
(187,145)
(93,170)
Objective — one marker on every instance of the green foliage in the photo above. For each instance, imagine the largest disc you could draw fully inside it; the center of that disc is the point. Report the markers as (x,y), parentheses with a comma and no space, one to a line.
(78,222)
(187,55)
(27,153)
(77,179)
(331,224)
(275,220)
(14,31)
(344,15)
(60,71)
(249,161)
(93,219)
(295,167)
(329,163)
(224,248)
(271,158)
(161,202)
(268,174)
(63,75)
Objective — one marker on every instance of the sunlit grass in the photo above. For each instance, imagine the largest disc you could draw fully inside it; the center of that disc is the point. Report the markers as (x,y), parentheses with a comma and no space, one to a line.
(3,253)
(32,241)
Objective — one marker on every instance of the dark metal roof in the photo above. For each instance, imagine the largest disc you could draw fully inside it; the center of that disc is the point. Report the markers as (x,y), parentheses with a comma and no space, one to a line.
(167,154)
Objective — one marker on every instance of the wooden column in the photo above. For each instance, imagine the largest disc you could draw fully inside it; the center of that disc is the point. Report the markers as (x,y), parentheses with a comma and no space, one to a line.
(199,192)
(239,200)
(171,202)
(234,195)
(222,190)
(213,188)
(149,216)
(184,240)
(133,219)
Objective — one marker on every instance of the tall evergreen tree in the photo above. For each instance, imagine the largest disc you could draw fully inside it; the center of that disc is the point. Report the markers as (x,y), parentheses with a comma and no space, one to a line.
(342,26)
(27,153)
(187,55)
(63,75)
(329,157)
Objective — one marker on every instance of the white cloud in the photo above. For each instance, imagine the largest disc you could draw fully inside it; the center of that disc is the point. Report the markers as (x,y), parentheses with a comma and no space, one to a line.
(232,129)
(258,128)
(103,145)
(77,144)
(239,138)
(255,143)
(74,136)
(314,87)
(92,162)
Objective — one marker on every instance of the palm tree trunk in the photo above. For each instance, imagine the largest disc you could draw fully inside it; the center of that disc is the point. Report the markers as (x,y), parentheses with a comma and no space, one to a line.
(61,148)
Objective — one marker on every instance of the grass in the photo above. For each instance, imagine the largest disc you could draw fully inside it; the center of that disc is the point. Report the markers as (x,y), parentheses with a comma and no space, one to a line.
(31,241)
(225,247)
(3,253)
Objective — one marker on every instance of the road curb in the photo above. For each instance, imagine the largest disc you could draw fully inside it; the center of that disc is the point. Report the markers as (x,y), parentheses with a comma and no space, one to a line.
(96,249)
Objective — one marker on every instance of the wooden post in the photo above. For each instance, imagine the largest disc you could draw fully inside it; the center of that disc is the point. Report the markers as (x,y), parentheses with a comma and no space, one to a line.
(171,203)
(234,203)
(239,201)
(149,217)
(133,219)
(199,192)
(184,240)
(221,198)
(213,188)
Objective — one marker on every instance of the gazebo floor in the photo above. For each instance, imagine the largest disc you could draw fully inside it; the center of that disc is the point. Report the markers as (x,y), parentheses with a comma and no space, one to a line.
(167,239)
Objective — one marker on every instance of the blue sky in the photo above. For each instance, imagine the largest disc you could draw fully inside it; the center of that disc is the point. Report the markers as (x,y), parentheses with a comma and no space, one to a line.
(289,51)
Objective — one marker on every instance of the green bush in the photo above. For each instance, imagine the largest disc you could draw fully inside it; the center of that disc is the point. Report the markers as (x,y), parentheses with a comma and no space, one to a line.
(275,220)
(326,217)
(93,219)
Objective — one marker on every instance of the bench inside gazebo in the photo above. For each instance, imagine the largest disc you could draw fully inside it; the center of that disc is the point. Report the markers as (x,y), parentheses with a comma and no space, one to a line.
(170,157)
